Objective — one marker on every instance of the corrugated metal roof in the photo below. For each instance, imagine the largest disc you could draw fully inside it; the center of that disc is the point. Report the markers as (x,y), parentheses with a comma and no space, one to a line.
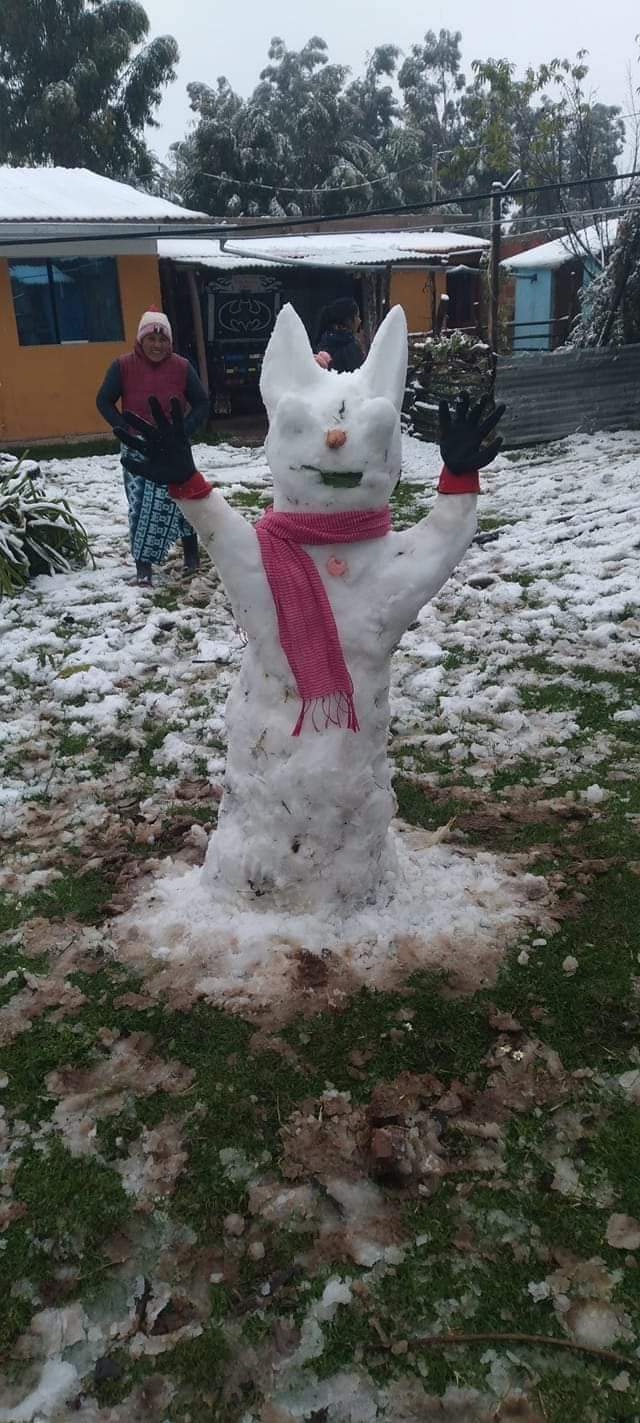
(330,249)
(76,195)
(551,255)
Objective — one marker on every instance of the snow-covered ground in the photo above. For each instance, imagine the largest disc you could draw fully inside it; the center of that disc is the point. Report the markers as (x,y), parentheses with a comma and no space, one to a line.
(96,671)
(112,702)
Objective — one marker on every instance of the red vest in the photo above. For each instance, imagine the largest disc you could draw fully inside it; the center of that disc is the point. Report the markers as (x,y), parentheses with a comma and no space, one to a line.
(140,378)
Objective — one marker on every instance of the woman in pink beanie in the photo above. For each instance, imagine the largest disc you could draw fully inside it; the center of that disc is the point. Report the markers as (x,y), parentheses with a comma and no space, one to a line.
(152,369)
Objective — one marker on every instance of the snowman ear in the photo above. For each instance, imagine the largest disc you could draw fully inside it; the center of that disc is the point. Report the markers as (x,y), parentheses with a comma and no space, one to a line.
(289,365)
(385,369)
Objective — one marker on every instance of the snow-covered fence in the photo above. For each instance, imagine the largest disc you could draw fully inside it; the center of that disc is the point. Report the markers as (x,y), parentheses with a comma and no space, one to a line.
(550,394)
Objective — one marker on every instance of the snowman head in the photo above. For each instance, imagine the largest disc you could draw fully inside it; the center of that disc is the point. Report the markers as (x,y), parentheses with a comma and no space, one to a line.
(334,440)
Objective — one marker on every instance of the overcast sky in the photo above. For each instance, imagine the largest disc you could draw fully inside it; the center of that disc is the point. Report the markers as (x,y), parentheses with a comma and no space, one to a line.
(231,37)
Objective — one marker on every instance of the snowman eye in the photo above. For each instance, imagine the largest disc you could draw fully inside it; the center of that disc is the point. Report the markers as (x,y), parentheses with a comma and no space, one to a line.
(381,418)
(293,417)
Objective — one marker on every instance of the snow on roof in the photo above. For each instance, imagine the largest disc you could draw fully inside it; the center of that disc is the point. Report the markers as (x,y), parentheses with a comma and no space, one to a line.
(328,249)
(77,195)
(551,255)
(206,252)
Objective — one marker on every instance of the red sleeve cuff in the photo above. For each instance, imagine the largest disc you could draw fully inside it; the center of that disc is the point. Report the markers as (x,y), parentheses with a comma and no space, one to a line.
(195,488)
(458,483)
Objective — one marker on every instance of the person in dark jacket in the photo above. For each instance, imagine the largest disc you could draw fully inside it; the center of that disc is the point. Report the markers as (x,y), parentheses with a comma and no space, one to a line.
(152,368)
(337,329)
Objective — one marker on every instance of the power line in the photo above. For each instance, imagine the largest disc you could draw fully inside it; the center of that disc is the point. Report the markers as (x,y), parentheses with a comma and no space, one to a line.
(426,168)
(568,237)
(346,187)
(387,177)
(421,205)
(545,231)
(220,228)
(554,217)
(465,223)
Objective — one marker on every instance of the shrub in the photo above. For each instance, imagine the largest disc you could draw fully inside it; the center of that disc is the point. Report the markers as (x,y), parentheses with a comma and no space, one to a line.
(38,534)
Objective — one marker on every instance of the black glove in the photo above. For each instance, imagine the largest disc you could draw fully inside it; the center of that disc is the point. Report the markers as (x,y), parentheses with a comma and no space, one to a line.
(462,434)
(164,445)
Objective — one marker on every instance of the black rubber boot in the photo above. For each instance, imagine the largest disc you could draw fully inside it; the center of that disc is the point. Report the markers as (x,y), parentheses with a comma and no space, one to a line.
(191,555)
(143,574)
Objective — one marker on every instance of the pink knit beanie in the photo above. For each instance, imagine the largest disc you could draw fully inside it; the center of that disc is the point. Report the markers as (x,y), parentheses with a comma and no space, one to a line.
(154,321)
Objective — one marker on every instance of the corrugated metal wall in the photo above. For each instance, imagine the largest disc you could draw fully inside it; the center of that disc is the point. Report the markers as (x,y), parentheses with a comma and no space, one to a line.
(552,394)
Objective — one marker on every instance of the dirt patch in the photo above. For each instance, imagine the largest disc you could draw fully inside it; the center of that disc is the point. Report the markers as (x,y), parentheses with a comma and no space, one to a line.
(450,908)
(128,1068)
(311,971)
(51,992)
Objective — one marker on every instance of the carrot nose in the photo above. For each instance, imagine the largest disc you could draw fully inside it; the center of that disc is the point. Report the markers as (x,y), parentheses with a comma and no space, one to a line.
(335,439)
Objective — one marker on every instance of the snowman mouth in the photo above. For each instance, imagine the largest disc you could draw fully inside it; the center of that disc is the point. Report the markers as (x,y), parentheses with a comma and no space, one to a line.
(346,479)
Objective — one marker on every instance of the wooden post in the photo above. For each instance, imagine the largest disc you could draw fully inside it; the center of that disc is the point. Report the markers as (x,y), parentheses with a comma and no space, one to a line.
(369,308)
(494,294)
(196,311)
(167,288)
(386,296)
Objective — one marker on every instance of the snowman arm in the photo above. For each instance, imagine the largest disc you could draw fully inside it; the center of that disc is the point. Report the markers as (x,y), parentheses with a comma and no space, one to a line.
(233,547)
(422,559)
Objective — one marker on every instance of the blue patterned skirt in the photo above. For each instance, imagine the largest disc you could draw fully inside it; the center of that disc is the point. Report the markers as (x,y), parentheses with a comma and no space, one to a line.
(155,521)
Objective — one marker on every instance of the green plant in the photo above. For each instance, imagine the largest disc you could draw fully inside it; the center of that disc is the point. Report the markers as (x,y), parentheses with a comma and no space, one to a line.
(37,534)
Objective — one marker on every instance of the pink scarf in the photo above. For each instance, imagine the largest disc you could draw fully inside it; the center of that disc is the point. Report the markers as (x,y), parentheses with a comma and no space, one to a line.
(308,633)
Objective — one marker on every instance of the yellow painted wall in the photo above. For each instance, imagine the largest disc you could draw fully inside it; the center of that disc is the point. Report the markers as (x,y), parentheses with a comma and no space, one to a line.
(48,392)
(412,290)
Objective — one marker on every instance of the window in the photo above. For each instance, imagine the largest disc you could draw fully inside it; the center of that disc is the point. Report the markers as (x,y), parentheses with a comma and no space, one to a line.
(66,299)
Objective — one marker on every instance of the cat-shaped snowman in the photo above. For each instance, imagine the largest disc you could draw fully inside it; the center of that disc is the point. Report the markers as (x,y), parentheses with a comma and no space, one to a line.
(324,595)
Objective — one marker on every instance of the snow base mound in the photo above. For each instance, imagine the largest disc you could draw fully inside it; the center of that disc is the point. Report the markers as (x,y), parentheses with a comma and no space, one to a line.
(448,909)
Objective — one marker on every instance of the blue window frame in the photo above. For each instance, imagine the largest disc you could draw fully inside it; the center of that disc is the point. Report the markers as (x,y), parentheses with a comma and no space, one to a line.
(64,300)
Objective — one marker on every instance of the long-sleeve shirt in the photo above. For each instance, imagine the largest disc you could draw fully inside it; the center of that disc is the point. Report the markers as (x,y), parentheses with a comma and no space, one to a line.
(346,354)
(111,390)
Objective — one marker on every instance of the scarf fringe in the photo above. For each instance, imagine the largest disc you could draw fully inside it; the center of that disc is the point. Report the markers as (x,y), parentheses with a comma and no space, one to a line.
(306,624)
(336,710)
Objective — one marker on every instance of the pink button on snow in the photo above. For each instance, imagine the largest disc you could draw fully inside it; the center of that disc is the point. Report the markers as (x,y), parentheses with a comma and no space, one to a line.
(336,567)
(335,439)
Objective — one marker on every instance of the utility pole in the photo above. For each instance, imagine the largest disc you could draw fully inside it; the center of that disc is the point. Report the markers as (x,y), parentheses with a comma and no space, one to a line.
(498,191)
(494,270)
(434,172)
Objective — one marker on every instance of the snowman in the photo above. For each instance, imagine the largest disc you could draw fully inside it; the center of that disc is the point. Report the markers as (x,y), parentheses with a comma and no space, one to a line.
(324,590)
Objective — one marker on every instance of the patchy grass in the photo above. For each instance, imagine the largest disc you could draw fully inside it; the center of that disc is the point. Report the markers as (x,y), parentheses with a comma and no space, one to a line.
(73,744)
(409,503)
(488,522)
(83,895)
(84,449)
(73,449)
(56,1244)
(522,577)
(463,1276)
(250,498)
(166,598)
(522,772)
(155,735)
(513,1094)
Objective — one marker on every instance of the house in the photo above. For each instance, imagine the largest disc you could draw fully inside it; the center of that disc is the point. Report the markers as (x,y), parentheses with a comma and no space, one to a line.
(549,282)
(78,265)
(223,296)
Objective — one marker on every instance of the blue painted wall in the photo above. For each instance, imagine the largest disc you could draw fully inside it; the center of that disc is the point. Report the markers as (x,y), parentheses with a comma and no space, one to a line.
(532,330)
